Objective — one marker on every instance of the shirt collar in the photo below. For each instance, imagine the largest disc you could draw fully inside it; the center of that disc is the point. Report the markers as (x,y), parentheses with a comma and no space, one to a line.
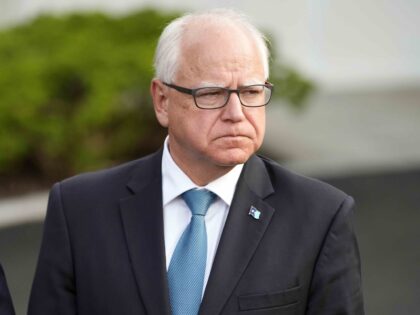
(175,181)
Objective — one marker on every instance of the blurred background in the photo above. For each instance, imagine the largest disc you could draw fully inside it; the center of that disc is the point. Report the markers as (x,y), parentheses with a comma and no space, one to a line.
(74,79)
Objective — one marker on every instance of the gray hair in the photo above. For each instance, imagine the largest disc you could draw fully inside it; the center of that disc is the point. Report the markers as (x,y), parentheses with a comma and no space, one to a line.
(167,53)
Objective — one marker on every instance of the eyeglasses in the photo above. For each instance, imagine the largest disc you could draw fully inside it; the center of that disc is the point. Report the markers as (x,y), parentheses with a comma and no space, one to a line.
(255,95)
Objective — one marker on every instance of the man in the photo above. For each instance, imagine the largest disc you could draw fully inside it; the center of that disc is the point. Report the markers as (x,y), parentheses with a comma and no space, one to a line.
(130,240)
(6,305)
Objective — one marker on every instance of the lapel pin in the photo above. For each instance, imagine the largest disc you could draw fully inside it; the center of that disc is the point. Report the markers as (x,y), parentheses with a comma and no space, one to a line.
(255,213)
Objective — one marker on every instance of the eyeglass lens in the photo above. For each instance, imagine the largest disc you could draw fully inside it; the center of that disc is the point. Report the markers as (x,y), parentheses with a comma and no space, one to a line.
(211,97)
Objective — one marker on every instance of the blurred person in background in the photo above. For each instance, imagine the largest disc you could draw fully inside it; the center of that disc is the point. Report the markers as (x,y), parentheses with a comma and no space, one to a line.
(203,226)
(6,305)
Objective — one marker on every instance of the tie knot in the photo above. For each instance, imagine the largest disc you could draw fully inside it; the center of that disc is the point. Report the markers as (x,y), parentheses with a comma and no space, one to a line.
(198,200)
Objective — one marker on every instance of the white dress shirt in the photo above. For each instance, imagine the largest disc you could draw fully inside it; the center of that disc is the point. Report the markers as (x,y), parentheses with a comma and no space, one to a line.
(176,214)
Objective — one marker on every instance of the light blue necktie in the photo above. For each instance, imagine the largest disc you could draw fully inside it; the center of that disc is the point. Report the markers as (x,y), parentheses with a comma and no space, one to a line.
(188,263)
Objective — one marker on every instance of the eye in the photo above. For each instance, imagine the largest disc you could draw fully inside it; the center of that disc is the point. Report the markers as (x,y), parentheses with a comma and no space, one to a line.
(210,92)
(253,90)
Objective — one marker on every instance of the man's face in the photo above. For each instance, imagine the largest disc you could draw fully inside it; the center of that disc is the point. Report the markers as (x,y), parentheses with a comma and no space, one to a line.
(217,138)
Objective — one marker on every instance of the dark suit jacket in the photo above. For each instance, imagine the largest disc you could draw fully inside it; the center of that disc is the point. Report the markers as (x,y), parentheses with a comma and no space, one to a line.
(6,305)
(103,247)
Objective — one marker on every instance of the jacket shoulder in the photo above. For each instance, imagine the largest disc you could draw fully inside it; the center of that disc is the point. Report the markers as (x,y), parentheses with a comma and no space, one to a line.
(302,190)
(114,178)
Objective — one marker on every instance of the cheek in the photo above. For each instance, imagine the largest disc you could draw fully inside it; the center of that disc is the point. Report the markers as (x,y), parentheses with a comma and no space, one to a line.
(191,123)
(206,123)
(178,114)
(261,126)
(257,121)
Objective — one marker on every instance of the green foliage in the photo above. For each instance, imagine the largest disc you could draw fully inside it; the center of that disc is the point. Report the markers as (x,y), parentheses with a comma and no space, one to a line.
(291,86)
(74,92)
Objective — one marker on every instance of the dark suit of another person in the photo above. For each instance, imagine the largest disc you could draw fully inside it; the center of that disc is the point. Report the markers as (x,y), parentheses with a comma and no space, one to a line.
(6,305)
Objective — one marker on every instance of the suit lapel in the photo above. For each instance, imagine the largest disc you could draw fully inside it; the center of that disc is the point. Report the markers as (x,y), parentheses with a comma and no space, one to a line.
(142,218)
(241,235)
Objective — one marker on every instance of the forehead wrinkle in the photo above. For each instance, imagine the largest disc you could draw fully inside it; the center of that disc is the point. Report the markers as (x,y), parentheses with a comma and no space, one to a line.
(204,65)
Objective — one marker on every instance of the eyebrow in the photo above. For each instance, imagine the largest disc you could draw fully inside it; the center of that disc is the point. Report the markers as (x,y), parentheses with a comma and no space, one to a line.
(214,84)
(209,84)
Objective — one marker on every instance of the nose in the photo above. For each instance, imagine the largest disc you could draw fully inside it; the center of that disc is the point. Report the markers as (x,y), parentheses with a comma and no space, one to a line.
(233,110)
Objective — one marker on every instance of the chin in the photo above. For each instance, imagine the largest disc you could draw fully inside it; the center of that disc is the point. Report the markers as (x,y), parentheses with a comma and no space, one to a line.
(233,157)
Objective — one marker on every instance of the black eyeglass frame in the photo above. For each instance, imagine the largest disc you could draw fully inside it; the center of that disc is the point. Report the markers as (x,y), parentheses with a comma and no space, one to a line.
(193,92)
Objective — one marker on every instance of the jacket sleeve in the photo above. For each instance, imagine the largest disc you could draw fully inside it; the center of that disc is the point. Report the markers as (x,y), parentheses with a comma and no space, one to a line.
(53,290)
(336,283)
(6,305)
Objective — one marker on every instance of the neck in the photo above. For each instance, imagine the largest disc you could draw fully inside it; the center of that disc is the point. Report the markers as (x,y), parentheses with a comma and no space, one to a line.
(202,173)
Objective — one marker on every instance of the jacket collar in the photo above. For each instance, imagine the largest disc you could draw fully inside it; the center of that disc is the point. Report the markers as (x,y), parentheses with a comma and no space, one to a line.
(241,235)
(142,218)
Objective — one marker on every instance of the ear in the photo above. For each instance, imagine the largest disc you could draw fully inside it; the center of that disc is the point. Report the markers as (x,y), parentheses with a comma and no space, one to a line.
(160,101)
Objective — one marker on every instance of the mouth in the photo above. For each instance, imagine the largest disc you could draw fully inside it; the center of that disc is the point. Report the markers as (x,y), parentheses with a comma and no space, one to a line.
(234,138)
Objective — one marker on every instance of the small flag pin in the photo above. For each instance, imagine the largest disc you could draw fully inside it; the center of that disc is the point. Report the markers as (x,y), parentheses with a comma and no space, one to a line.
(255,213)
